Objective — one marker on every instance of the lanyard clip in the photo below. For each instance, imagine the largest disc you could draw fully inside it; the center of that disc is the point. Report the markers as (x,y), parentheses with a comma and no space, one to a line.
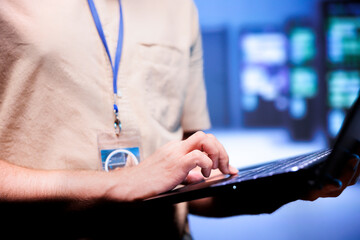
(117,122)
(117,126)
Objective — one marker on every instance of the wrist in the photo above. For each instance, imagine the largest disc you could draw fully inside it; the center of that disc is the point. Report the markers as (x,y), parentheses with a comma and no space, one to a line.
(122,185)
(128,185)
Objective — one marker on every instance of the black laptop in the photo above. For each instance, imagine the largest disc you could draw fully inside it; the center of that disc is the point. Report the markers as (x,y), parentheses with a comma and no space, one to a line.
(290,177)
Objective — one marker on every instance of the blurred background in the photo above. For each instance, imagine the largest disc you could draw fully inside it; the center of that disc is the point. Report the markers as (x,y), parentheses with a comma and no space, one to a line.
(280,77)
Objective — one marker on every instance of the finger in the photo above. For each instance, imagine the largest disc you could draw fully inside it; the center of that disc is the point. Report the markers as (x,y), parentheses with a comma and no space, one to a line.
(349,172)
(328,190)
(233,170)
(223,157)
(355,178)
(315,195)
(194,177)
(197,158)
(311,196)
(202,142)
(331,190)
(210,146)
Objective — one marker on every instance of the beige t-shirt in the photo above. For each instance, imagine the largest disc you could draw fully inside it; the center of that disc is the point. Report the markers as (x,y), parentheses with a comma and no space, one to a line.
(56,91)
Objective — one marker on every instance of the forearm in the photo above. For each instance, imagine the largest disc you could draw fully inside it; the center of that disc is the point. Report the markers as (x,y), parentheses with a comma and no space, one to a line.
(165,169)
(24,184)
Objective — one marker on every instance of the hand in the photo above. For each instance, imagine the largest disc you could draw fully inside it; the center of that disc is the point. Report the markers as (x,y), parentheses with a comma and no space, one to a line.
(170,165)
(349,176)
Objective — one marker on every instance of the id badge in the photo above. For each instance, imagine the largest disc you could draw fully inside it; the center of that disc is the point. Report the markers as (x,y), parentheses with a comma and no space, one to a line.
(118,151)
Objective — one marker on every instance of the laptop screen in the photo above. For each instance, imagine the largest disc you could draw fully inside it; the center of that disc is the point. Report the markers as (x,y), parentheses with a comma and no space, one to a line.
(347,144)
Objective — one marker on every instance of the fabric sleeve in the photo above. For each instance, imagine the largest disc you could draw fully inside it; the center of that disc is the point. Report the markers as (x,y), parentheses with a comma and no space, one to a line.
(195,112)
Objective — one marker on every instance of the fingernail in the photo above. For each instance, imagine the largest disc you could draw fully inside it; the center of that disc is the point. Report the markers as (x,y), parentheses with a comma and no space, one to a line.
(356,156)
(207,172)
(233,170)
(338,183)
(334,181)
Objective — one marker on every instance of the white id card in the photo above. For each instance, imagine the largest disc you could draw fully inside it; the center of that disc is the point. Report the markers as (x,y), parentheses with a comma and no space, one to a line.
(118,151)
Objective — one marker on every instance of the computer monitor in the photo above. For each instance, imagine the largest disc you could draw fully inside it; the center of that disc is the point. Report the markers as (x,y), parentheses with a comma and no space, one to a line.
(341,36)
(342,33)
(263,76)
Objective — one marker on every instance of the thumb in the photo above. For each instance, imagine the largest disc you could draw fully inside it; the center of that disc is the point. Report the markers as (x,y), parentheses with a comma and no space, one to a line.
(194,176)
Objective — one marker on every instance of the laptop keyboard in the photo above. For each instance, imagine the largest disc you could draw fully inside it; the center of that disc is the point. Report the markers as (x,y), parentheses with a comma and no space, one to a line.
(292,164)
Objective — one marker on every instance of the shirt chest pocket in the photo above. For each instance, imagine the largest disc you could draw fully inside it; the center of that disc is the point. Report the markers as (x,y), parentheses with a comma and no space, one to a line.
(164,78)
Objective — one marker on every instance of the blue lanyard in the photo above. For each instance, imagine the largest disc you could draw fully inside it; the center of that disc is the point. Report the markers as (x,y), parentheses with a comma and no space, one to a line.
(114,66)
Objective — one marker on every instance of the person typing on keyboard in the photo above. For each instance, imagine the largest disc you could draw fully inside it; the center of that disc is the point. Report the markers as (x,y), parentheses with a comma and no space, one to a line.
(72,71)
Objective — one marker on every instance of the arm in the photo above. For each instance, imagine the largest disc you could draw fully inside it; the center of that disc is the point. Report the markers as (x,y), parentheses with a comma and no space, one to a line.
(25,184)
(171,162)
